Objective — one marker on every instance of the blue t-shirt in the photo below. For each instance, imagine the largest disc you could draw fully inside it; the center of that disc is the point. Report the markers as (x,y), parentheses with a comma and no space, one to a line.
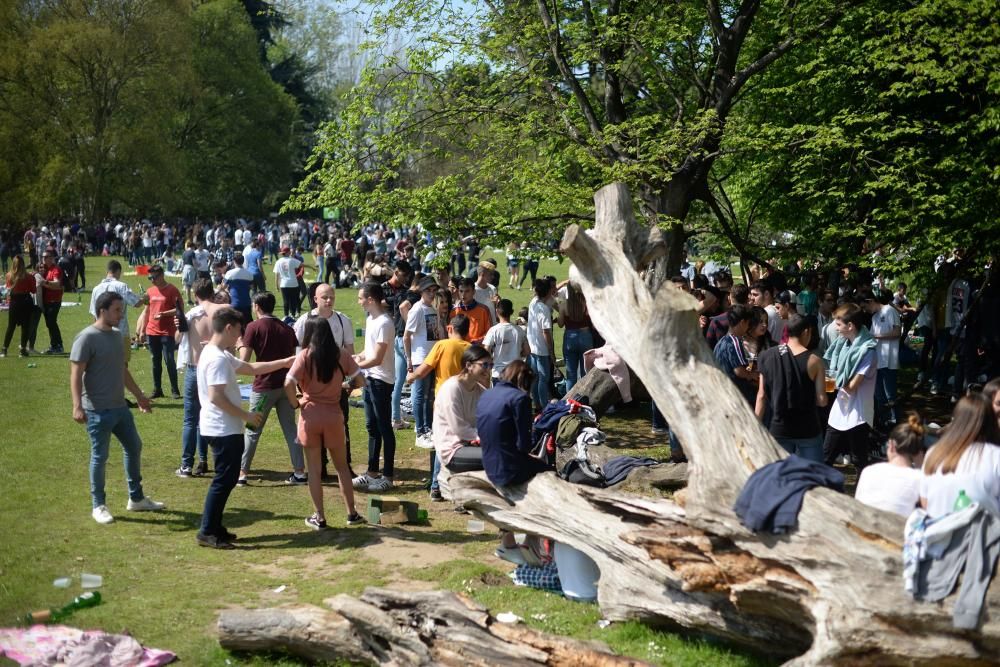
(239,281)
(252,263)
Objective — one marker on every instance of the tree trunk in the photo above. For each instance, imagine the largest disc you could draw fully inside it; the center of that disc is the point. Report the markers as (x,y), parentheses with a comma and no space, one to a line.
(830,593)
(397,628)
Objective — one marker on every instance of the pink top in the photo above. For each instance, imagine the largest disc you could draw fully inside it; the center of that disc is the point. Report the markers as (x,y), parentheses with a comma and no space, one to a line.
(314,391)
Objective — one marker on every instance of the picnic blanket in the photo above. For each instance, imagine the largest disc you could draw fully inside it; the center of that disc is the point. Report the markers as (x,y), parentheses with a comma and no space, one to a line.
(63,645)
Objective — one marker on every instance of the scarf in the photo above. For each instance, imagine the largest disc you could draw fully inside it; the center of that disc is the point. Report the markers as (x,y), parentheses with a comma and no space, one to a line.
(844,357)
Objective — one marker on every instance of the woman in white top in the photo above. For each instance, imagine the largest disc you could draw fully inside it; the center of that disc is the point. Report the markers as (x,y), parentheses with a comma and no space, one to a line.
(966,458)
(454,433)
(894,486)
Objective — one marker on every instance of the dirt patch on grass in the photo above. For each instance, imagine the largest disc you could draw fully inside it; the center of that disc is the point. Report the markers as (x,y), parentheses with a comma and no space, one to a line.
(394,549)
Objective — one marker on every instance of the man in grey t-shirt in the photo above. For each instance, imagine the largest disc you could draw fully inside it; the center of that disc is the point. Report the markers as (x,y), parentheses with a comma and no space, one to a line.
(98,377)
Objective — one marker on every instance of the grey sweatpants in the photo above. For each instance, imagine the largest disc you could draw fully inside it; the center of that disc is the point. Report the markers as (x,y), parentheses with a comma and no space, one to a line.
(276,399)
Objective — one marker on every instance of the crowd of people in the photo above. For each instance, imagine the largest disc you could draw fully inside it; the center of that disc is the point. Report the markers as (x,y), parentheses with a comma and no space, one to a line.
(817,365)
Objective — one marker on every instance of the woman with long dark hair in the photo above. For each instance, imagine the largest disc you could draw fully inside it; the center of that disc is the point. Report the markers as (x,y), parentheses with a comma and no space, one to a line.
(320,371)
(21,287)
(966,458)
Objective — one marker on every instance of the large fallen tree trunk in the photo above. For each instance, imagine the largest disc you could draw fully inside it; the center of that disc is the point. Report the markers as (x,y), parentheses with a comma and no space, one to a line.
(829,593)
(391,627)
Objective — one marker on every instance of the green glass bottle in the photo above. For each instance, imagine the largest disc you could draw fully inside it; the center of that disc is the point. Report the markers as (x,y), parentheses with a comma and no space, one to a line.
(962,501)
(88,599)
(258,406)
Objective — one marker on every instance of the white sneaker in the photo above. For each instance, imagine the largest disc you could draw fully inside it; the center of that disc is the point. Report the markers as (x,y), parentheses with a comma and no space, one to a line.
(361,482)
(147,504)
(102,515)
(379,484)
(424,441)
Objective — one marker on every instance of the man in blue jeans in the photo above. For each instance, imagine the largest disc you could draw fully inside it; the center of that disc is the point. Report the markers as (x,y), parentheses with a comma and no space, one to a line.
(222,418)
(97,381)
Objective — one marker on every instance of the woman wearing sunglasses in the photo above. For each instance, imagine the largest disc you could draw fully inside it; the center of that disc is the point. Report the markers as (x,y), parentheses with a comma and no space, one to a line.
(455,438)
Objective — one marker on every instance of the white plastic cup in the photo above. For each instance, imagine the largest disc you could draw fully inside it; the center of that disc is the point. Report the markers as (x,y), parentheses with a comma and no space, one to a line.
(475,526)
(62,582)
(91,580)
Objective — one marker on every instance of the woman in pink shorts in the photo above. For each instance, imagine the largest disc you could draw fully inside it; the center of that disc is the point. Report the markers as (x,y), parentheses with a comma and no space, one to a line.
(320,371)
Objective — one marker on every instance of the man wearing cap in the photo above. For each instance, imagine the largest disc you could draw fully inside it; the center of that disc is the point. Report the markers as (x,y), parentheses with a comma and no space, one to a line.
(486,293)
(51,285)
(285,271)
(160,328)
(422,330)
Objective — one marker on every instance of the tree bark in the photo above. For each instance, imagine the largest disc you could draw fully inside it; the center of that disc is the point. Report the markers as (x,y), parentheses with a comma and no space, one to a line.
(397,628)
(829,593)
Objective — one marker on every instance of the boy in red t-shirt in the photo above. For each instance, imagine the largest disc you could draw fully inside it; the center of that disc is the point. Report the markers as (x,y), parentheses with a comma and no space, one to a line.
(164,299)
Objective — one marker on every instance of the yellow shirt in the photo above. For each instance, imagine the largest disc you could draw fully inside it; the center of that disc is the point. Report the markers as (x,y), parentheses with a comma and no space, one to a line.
(446,359)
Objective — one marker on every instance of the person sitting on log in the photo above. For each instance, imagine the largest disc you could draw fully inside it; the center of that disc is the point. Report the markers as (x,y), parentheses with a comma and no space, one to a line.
(966,458)
(894,485)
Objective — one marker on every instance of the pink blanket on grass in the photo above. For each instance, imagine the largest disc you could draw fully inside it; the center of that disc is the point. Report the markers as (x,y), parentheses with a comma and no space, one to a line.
(63,645)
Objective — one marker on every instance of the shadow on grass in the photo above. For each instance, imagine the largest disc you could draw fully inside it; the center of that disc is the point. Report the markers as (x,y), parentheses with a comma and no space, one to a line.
(180,521)
(356,537)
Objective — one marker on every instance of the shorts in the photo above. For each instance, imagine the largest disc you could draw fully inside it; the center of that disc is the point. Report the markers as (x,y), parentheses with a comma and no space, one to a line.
(321,424)
(513,263)
(187,277)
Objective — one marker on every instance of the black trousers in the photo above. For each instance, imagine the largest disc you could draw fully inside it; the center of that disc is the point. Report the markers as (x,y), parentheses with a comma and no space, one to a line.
(854,441)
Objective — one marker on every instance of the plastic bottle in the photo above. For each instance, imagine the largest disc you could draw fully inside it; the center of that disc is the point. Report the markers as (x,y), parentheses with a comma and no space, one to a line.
(83,601)
(962,501)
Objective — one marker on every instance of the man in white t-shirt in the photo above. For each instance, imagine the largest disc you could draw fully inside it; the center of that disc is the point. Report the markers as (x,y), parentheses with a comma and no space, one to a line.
(288,282)
(420,332)
(852,358)
(762,295)
(378,364)
(486,293)
(506,342)
(887,327)
(540,341)
(222,418)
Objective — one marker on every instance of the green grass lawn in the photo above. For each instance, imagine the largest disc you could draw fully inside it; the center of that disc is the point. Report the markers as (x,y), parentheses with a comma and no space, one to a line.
(166,591)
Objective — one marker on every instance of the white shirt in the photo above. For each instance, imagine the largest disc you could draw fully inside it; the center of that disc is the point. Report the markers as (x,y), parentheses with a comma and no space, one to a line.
(484,295)
(977,473)
(883,322)
(421,322)
(539,319)
(505,341)
(218,367)
(850,410)
(891,488)
(202,260)
(285,268)
(775,325)
(340,325)
(116,287)
(381,330)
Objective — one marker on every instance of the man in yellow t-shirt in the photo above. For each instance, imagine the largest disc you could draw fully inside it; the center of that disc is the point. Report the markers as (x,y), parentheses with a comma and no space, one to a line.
(444,360)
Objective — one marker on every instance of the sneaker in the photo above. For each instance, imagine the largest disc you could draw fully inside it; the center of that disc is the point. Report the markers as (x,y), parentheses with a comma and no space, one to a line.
(242,481)
(176,395)
(361,482)
(147,504)
(102,515)
(51,350)
(379,485)
(156,393)
(227,536)
(213,542)
(436,496)
(354,519)
(23,353)
(423,441)
(296,479)
(315,522)
(183,471)
(200,469)
(400,424)
(3,352)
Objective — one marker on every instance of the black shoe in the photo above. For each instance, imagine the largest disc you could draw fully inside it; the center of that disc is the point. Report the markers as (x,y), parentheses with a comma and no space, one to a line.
(436,496)
(23,353)
(212,542)
(295,479)
(227,536)
(354,519)
(157,393)
(176,395)
(200,469)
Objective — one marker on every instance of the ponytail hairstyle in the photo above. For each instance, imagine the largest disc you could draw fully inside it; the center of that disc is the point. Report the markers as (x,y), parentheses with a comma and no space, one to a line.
(909,436)
(324,354)
(972,425)
(519,375)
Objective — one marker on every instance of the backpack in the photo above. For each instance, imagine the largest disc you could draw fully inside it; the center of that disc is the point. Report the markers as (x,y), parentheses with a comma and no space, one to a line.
(583,472)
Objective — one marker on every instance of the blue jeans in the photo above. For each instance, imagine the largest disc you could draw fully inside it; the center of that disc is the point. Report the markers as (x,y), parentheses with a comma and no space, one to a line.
(378,395)
(435,470)
(397,388)
(942,368)
(423,399)
(277,399)
(807,448)
(543,375)
(101,424)
(575,343)
(227,450)
(190,434)
(885,393)
(162,349)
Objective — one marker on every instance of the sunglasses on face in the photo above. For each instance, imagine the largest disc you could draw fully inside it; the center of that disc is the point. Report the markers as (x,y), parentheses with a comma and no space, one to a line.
(484,364)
